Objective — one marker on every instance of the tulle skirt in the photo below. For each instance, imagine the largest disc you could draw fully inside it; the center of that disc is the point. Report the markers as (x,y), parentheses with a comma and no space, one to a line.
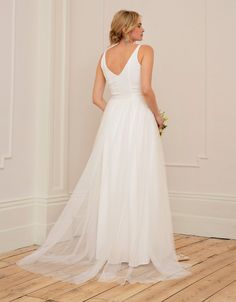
(116,226)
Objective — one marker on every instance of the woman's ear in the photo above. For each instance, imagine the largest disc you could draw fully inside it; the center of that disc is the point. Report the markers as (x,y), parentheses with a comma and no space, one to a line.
(124,29)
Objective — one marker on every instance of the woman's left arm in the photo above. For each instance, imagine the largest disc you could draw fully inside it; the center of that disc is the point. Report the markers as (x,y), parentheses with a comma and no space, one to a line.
(98,87)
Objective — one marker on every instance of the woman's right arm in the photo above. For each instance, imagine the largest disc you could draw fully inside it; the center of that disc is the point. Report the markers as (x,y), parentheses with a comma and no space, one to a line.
(146,82)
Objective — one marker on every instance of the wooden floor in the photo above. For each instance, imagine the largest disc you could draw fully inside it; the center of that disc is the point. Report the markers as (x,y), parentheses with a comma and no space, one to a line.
(213,279)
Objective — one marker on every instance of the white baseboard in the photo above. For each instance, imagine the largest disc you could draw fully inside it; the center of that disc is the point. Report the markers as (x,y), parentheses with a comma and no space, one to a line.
(27,221)
(204,226)
(204,214)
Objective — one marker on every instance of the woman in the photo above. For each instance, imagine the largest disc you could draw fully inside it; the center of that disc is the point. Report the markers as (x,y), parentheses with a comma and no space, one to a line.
(117,224)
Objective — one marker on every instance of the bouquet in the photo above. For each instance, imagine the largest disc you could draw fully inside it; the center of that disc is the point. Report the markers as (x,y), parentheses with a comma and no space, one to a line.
(165,118)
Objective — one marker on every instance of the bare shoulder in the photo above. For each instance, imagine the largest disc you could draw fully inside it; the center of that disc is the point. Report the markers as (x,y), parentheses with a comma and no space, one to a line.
(145,48)
(146,51)
(99,60)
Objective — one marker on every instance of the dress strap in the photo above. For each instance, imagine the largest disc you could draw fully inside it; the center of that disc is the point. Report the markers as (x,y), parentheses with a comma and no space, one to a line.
(103,65)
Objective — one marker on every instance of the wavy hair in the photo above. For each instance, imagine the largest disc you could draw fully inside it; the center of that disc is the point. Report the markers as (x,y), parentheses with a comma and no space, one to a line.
(123,19)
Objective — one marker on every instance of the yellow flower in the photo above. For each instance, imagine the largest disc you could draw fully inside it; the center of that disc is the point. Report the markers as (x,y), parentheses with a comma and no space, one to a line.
(165,118)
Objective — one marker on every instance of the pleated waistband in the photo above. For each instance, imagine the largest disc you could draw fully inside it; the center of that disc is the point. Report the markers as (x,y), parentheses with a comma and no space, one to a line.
(127,96)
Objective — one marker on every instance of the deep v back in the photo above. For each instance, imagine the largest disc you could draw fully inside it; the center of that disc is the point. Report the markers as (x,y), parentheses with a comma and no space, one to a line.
(127,82)
(127,62)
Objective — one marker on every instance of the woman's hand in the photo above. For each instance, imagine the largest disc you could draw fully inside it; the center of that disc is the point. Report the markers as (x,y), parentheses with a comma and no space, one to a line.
(159,120)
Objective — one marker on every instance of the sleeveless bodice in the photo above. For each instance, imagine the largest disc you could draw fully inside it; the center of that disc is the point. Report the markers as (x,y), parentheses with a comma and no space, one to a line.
(126,83)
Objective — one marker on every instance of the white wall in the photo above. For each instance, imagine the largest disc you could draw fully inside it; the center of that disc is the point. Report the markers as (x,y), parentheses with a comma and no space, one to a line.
(48,56)
(33,175)
(18,60)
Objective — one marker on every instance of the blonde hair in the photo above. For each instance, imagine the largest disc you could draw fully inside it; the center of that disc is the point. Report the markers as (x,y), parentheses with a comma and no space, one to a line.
(123,19)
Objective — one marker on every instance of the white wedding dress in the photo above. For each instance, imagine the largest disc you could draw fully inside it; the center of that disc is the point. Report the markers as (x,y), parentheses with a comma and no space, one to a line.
(117,224)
